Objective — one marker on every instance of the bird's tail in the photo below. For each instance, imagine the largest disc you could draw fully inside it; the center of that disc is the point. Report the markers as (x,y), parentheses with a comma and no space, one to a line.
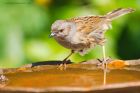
(118,12)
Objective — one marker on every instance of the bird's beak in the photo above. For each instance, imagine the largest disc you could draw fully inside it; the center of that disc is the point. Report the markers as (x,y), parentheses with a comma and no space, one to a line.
(52,34)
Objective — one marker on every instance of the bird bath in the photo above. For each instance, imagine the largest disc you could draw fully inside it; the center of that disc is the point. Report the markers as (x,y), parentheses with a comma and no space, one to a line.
(84,77)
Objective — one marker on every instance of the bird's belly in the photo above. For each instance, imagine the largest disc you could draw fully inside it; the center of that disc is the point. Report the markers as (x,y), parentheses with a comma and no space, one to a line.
(70,45)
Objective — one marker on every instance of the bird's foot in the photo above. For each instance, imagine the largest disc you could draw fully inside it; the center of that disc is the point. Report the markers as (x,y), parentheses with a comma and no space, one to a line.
(106,61)
(63,65)
(3,78)
(103,63)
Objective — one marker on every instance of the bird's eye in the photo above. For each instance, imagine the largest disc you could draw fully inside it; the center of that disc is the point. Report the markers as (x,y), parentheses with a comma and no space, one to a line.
(61,30)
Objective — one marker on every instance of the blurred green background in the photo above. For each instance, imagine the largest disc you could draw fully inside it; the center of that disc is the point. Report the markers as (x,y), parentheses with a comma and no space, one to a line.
(25,26)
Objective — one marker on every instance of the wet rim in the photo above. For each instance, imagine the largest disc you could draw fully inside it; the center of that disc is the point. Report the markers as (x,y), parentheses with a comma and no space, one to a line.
(114,87)
(135,86)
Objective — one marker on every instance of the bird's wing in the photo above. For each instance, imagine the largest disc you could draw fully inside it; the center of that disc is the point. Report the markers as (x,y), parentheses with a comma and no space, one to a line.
(88,24)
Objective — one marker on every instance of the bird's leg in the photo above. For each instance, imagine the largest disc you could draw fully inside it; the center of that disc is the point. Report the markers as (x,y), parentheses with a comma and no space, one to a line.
(105,59)
(104,56)
(104,64)
(63,64)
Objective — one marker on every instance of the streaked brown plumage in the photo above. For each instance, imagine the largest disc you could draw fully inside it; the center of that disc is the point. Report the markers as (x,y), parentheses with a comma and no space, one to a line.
(87,24)
(83,33)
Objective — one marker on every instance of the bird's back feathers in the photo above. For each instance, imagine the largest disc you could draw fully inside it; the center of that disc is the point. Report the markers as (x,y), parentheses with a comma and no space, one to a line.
(88,24)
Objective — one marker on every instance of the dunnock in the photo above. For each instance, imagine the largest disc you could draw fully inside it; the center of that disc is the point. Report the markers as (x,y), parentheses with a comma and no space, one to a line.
(81,34)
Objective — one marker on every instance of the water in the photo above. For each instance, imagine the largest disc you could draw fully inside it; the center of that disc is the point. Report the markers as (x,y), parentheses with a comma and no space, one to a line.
(82,75)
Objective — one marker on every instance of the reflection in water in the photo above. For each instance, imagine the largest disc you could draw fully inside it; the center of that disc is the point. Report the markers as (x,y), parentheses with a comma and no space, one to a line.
(3,84)
(105,71)
(3,81)
(80,76)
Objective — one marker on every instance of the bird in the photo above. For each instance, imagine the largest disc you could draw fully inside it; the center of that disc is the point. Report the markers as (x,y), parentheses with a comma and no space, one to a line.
(81,34)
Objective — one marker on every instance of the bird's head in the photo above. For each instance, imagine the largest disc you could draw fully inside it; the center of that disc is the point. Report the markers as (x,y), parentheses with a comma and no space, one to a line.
(61,28)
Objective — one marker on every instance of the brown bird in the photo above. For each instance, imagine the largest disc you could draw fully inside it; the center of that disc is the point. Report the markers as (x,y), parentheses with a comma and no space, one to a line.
(81,34)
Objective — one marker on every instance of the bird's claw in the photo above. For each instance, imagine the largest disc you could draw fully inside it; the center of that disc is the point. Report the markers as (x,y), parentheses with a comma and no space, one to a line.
(62,66)
(107,60)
